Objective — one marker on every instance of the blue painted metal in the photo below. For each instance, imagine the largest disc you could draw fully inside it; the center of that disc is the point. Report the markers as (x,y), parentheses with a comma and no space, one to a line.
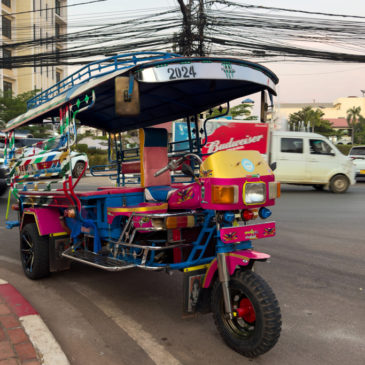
(94,70)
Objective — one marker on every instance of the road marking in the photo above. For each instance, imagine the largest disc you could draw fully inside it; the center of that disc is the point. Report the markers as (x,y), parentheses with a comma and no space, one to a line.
(43,340)
(9,260)
(158,354)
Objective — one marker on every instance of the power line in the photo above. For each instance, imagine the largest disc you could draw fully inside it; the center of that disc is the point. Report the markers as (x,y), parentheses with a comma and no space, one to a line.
(58,7)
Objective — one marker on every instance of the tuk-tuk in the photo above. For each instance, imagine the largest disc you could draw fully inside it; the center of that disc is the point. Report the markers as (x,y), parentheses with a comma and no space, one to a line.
(167,208)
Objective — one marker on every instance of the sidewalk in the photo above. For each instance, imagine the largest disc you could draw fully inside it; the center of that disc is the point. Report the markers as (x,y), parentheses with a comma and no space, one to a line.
(24,337)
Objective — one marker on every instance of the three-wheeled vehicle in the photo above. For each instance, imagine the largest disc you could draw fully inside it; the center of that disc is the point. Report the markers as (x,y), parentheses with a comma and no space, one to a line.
(193,213)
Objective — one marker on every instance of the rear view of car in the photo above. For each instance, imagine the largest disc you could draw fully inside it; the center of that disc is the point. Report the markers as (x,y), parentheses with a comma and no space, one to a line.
(357,154)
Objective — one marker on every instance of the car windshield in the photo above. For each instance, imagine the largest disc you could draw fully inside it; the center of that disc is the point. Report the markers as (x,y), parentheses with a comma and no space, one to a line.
(358,151)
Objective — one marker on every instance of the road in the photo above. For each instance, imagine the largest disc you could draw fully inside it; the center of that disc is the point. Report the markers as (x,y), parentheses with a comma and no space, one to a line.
(134,317)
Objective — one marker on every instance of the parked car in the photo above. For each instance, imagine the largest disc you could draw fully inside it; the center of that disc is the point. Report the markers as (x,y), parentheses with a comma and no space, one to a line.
(357,154)
(78,159)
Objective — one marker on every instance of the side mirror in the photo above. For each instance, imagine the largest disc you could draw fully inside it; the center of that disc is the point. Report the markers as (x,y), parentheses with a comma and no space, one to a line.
(187,170)
(127,101)
(273,166)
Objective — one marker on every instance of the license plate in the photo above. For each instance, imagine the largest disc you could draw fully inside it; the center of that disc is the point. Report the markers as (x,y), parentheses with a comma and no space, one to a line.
(245,233)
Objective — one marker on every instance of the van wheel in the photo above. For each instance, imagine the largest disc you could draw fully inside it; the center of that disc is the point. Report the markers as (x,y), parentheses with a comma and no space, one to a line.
(318,187)
(339,184)
(79,167)
(34,252)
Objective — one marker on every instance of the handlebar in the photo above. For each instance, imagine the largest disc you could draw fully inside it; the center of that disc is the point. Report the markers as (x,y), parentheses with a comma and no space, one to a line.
(174,164)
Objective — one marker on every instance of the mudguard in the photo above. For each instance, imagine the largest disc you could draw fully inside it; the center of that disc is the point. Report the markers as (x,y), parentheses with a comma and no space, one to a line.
(233,259)
(46,219)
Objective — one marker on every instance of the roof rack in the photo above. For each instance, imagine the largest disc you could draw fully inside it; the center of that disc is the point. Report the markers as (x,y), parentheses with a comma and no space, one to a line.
(94,70)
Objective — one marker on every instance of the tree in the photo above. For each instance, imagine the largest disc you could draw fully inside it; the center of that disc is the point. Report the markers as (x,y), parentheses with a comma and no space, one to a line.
(239,110)
(353,115)
(308,117)
(12,106)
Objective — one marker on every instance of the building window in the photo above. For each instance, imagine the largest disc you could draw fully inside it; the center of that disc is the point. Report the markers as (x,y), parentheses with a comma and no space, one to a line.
(7,58)
(58,30)
(7,3)
(58,76)
(6,27)
(7,87)
(58,7)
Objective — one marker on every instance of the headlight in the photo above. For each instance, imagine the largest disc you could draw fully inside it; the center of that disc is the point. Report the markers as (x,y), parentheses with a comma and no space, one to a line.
(254,193)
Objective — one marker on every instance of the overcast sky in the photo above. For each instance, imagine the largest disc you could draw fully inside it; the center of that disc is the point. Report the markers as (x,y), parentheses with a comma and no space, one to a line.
(299,82)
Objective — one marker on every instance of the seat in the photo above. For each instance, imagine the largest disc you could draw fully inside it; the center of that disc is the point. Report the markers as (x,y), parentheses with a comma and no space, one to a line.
(153,155)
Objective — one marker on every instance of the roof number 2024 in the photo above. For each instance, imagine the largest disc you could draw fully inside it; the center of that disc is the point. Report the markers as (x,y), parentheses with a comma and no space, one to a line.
(181,72)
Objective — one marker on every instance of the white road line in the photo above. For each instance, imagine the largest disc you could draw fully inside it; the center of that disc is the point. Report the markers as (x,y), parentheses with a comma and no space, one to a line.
(43,340)
(9,260)
(158,354)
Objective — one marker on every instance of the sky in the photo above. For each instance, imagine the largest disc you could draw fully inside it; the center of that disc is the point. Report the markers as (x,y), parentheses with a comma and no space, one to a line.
(300,82)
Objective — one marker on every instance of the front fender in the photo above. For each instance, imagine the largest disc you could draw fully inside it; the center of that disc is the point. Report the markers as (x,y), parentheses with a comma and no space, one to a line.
(233,259)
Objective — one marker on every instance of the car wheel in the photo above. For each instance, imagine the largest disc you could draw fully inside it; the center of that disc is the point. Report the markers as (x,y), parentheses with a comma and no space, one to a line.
(339,184)
(79,167)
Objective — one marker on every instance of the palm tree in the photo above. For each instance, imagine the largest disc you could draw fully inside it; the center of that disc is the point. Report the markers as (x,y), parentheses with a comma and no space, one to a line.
(353,115)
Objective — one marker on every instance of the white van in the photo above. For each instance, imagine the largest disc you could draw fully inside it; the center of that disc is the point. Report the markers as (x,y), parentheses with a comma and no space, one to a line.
(310,159)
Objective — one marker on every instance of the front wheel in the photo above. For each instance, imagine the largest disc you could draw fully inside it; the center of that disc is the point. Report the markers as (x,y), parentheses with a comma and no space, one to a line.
(256,325)
(339,184)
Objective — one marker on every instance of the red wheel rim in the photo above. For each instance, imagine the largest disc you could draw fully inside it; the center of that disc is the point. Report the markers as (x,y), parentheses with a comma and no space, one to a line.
(246,310)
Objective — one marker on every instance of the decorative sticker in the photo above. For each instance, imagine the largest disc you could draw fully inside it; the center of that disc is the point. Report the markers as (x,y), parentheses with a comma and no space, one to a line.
(185,195)
(248,165)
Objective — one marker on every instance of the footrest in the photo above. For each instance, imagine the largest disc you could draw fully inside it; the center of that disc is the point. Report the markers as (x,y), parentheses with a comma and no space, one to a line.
(97,260)
(12,224)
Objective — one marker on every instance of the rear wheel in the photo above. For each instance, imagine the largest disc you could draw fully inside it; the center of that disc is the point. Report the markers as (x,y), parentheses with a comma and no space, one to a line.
(339,184)
(256,326)
(34,252)
(79,167)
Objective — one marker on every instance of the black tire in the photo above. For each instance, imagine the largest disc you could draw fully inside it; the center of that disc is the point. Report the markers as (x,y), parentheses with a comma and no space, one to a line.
(78,168)
(34,252)
(318,187)
(339,184)
(260,328)
(3,187)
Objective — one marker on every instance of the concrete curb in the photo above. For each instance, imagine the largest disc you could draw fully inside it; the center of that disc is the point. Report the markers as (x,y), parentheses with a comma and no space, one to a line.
(39,334)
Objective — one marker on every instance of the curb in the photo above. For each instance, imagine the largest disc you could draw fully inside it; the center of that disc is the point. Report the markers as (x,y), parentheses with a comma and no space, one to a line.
(39,334)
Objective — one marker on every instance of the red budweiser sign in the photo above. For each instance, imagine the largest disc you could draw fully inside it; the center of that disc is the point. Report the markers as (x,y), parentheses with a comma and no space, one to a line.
(229,135)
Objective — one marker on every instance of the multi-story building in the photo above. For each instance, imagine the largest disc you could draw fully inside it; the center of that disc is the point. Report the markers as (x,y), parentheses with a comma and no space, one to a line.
(31,28)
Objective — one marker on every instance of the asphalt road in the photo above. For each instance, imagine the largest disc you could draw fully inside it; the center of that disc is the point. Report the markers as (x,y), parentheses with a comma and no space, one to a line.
(134,317)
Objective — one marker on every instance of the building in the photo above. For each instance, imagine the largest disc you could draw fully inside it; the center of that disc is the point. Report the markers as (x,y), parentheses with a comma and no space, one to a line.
(335,112)
(24,21)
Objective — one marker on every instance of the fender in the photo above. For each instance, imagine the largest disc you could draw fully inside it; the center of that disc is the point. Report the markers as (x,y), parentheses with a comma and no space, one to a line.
(46,219)
(233,259)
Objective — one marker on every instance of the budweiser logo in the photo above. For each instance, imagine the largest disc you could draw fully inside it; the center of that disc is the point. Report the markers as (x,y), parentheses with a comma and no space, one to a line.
(214,146)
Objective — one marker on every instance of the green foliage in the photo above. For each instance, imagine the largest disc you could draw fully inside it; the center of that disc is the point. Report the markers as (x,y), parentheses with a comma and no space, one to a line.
(97,157)
(344,148)
(82,147)
(12,106)
(307,116)
(353,118)
(360,131)
(242,110)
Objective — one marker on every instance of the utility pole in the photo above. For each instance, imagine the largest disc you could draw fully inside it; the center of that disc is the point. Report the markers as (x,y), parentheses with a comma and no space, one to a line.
(191,40)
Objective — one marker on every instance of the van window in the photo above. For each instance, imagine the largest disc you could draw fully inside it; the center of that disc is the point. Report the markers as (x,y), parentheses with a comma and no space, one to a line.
(319,147)
(291,145)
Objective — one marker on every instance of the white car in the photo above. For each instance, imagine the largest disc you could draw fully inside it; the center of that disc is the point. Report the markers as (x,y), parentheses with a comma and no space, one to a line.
(78,159)
(357,154)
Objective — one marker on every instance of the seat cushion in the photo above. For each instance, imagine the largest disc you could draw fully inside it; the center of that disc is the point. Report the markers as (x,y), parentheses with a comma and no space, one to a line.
(158,193)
